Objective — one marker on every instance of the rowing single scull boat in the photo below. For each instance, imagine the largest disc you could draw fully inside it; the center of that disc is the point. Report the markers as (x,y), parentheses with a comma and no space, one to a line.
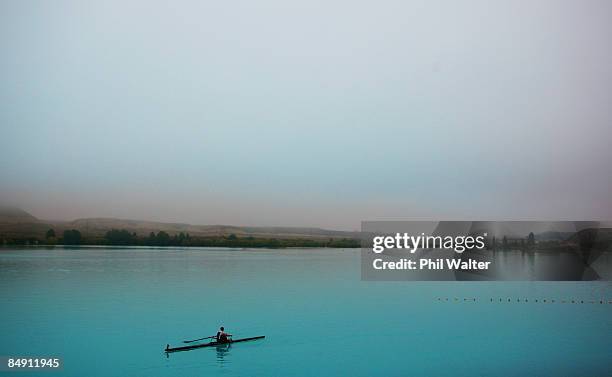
(210,344)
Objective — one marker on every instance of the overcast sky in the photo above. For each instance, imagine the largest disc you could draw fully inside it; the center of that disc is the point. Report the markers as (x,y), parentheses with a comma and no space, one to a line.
(318,113)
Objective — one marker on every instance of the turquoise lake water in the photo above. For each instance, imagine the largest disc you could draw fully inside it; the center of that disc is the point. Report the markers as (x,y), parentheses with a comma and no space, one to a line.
(110,312)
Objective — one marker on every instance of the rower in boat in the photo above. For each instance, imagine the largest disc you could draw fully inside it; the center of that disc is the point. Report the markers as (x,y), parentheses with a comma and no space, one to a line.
(222,336)
(209,344)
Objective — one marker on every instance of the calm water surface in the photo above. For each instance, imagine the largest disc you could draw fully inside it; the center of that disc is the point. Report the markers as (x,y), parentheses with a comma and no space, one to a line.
(110,312)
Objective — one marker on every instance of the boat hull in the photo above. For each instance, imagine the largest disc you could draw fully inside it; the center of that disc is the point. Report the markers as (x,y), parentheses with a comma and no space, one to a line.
(210,344)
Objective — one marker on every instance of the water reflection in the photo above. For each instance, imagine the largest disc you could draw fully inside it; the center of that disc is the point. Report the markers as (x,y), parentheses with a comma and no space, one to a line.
(223,352)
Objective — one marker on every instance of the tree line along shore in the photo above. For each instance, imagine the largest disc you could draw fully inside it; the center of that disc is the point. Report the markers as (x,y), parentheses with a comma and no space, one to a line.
(123,237)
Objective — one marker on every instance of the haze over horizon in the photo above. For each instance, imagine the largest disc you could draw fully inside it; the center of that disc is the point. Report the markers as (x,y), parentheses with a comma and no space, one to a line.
(306,114)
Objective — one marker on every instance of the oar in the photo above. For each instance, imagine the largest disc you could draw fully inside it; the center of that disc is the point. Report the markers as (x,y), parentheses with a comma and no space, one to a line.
(195,340)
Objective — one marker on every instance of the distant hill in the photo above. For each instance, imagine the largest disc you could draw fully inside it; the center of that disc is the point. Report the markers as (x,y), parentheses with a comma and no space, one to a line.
(15,215)
(553,236)
(16,223)
(601,236)
(99,226)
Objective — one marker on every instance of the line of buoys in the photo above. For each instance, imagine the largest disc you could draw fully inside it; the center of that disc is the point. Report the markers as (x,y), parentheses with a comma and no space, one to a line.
(526,300)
